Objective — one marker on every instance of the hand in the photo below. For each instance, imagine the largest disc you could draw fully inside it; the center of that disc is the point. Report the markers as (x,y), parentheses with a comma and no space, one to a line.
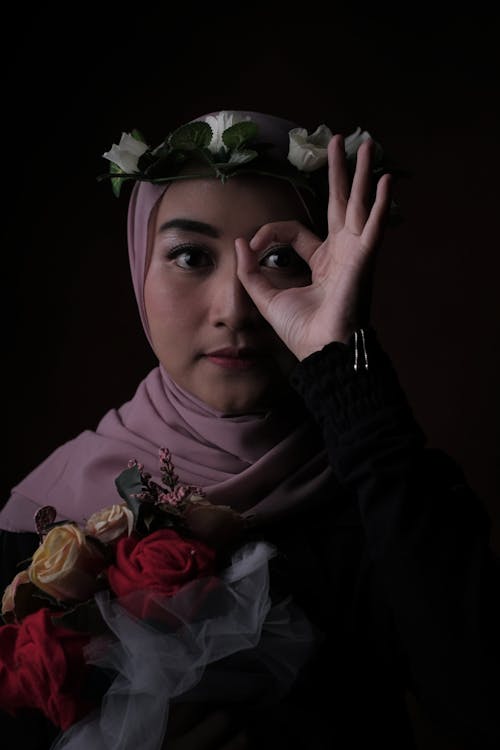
(329,309)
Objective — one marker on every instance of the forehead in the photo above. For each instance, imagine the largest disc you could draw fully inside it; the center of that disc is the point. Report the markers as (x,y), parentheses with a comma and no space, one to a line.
(233,206)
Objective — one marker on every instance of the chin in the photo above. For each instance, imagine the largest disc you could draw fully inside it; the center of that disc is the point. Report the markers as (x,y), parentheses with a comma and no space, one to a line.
(240,401)
(238,406)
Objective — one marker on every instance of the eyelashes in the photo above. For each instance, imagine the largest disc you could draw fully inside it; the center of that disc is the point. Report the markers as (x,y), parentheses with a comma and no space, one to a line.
(190,257)
(282,258)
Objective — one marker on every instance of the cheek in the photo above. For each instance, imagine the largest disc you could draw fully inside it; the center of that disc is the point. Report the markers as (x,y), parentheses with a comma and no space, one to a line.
(164,302)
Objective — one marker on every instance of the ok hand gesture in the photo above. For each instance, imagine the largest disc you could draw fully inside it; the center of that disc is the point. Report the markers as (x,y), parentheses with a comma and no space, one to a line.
(308,317)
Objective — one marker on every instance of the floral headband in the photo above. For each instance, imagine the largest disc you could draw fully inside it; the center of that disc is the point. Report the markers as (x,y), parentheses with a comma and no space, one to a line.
(224,145)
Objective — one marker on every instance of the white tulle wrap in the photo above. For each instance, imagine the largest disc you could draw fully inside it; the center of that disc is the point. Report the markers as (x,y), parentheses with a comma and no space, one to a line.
(242,647)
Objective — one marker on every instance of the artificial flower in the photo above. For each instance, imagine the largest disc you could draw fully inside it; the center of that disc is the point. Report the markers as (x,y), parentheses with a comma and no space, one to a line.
(157,566)
(309,152)
(42,666)
(109,524)
(67,564)
(9,595)
(127,153)
(219,123)
(353,141)
(140,615)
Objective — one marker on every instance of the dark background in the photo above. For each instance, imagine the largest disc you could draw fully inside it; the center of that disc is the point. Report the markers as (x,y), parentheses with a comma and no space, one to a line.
(424,82)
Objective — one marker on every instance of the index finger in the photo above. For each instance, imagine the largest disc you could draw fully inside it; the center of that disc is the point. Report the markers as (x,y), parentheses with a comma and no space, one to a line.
(291,233)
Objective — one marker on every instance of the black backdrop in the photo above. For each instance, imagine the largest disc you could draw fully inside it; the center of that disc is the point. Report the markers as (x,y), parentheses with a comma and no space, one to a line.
(423,83)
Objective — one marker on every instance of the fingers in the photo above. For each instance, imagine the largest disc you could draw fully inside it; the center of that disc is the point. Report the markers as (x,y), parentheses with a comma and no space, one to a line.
(374,226)
(350,206)
(303,241)
(359,204)
(259,285)
(338,184)
(249,273)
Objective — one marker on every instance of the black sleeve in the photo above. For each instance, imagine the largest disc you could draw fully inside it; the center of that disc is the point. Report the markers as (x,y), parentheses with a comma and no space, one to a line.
(427,535)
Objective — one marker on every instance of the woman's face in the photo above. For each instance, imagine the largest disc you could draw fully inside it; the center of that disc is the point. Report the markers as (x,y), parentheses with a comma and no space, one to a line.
(205,329)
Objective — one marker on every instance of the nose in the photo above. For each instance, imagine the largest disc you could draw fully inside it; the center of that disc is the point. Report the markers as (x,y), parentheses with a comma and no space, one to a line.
(231,306)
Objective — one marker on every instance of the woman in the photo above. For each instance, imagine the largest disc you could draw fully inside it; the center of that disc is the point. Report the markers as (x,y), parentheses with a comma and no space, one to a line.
(274,395)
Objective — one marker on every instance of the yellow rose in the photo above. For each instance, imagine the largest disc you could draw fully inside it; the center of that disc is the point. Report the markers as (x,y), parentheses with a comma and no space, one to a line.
(8,599)
(66,564)
(110,523)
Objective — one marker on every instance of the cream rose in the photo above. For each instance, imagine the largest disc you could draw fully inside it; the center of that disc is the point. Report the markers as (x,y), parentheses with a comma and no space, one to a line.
(309,152)
(66,564)
(109,524)
(126,154)
(8,599)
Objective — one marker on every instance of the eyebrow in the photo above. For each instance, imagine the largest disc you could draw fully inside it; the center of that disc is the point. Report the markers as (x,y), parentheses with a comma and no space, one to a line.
(190,225)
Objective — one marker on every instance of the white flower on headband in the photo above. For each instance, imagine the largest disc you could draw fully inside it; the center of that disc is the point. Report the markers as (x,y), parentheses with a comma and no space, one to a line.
(219,123)
(353,142)
(309,152)
(126,154)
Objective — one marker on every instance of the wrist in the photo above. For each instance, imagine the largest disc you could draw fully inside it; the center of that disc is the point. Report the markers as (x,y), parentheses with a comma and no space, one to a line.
(341,337)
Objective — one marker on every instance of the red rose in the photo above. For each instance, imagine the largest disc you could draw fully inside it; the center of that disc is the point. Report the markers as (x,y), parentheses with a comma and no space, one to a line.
(42,667)
(157,566)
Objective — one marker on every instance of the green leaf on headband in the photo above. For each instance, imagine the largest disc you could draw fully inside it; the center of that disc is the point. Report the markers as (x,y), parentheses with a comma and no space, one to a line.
(237,135)
(194,135)
(116,182)
(138,135)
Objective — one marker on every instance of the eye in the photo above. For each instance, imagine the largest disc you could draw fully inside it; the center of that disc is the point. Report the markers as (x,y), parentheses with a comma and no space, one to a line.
(284,258)
(190,257)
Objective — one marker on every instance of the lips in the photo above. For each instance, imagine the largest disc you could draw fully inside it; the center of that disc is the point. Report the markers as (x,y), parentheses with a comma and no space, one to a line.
(234,352)
(234,358)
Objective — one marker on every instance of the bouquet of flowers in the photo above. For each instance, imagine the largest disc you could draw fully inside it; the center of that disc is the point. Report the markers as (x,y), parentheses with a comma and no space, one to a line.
(152,598)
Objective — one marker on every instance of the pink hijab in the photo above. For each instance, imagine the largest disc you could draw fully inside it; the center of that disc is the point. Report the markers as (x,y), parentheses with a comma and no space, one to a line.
(265,464)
